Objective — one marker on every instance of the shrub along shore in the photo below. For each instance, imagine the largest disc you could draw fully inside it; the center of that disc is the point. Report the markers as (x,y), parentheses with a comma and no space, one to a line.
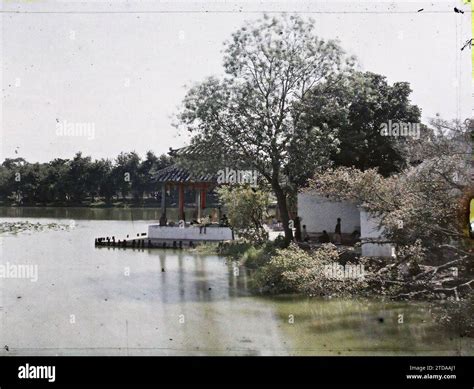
(277,269)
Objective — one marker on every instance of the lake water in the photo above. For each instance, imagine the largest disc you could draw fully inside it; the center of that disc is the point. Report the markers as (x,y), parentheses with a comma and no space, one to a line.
(105,301)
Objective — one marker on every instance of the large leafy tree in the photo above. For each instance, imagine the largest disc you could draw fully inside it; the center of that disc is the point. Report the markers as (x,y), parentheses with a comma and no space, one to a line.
(125,173)
(149,166)
(10,168)
(98,172)
(249,116)
(78,178)
(357,106)
(57,179)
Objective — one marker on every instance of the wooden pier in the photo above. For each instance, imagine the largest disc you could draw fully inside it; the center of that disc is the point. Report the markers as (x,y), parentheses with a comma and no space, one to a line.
(169,237)
(142,242)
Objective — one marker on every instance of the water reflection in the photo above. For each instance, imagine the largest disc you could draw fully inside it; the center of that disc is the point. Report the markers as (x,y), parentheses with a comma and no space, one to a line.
(84,213)
(221,314)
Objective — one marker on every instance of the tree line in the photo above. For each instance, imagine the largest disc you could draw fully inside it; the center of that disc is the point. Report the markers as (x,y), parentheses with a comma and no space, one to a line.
(80,180)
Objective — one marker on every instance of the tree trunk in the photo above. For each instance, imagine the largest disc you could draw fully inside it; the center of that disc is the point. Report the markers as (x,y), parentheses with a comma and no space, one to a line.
(283,207)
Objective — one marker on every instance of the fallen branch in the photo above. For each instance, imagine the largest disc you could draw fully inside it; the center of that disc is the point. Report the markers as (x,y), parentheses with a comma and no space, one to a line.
(410,294)
(435,269)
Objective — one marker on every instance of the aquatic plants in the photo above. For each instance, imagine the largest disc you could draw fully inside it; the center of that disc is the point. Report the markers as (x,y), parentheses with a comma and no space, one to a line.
(18,227)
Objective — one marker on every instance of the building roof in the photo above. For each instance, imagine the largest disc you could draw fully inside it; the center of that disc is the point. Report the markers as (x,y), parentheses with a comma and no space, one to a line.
(189,150)
(177,174)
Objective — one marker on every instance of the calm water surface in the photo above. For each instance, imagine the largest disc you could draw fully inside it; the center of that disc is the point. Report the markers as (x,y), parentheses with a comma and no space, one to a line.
(105,301)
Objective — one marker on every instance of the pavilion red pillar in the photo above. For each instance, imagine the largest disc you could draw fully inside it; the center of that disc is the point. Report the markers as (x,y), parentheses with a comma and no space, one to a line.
(203,198)
(181,201)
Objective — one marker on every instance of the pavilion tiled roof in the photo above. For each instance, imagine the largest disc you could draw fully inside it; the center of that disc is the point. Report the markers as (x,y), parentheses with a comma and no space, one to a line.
(177,174)
(189,150)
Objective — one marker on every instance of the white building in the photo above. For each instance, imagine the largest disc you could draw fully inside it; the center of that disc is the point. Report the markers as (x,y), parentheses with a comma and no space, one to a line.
(319,213)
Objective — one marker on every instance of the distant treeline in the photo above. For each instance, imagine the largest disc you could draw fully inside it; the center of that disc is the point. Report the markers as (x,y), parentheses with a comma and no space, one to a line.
(81,180)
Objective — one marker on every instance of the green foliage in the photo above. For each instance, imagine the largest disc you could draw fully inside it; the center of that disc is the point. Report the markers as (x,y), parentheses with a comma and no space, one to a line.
(246,209)
(293,270)
(246,253)
(234,249)
(79,180)
(249,254)
(357,105)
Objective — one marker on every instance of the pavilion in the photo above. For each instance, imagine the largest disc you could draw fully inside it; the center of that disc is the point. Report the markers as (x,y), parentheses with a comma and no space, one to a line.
(180,179)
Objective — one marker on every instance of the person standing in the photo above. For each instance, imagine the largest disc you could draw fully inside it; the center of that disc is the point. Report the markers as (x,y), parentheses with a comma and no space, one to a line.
(163,220)
(297,224)
(337,232)
(304,234)
(204,223)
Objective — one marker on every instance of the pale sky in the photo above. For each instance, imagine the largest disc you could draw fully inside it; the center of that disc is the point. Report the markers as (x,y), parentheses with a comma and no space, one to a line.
(124,68)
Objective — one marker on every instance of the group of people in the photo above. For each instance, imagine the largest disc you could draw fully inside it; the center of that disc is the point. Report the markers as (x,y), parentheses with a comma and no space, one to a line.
(202,222)
(206,220)
(325,238)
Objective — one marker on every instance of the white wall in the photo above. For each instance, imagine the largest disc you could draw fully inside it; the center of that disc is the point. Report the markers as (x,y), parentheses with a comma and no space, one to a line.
(319,213)
(370,229)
